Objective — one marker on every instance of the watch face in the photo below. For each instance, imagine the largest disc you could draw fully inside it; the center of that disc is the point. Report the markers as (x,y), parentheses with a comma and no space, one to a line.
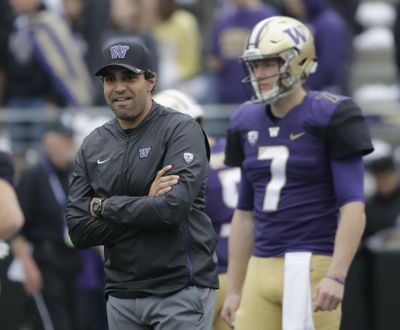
(97,206)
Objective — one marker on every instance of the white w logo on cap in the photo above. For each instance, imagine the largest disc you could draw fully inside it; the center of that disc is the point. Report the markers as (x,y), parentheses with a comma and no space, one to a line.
(118,51)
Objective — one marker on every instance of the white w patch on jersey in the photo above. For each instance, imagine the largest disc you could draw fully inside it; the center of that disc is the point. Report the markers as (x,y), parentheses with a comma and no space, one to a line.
(188,157)
(252,137)
(273,131)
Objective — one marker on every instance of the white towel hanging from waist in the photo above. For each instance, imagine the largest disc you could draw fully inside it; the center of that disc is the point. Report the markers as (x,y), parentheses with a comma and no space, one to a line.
(296,309)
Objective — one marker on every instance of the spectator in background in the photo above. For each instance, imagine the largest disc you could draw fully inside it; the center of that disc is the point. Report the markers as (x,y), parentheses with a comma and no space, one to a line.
(51,266)
(382,211)
(332,42)
(88,20)
(179,43)
(348,9)
(11,216)
(383,207)
(226,44)
(41,66)
(6,24)
(396,37)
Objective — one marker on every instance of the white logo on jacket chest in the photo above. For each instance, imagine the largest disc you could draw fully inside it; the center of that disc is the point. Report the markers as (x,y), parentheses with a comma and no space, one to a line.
(144,152)
(102,161)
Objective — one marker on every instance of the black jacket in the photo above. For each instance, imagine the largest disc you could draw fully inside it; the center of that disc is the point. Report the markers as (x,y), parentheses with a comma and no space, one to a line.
(153,245)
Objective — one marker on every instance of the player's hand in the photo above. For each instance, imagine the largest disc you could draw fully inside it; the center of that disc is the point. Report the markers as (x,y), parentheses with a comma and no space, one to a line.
(231,305)
(163,183)
(327,295)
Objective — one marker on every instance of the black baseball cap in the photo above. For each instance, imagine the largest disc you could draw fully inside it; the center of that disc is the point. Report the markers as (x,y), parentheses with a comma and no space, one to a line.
(127,54)
(58,127)
(382,164)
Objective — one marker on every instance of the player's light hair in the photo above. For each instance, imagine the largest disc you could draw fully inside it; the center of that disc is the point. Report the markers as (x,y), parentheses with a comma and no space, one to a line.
(179,101)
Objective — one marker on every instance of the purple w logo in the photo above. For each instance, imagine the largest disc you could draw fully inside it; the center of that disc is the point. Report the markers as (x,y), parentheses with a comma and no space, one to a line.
(118,51)
(296,35)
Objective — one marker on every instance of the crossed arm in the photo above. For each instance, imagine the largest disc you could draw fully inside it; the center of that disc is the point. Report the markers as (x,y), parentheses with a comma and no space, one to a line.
(161,185)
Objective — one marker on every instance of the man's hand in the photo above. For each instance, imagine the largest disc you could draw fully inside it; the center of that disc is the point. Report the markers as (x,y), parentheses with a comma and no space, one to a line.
(162,184)
(327,295)
(33,277)
(231,305)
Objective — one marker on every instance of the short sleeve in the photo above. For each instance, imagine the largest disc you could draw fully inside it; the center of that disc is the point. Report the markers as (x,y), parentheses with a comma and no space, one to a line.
(246,194)
(347,132)
(234,155)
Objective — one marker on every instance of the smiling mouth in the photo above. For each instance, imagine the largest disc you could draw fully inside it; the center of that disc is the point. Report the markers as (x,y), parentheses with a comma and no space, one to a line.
(121,100)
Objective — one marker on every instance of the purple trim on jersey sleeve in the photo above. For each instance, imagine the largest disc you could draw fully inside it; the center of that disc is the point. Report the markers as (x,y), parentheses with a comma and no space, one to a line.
(246,194)
(348,179)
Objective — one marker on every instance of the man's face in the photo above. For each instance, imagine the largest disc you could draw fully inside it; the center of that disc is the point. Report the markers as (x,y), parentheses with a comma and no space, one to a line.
(266,72)
(128,95)
(60,148)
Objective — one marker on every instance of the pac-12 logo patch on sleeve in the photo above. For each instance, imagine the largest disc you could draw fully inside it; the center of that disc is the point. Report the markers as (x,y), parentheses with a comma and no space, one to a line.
(188,157)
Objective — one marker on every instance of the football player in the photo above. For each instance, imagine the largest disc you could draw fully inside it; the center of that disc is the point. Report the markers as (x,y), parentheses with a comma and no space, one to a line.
(300,212)
(221,191)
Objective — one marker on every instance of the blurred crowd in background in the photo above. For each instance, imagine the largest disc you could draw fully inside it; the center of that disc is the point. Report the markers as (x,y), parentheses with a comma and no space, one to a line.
(50,49)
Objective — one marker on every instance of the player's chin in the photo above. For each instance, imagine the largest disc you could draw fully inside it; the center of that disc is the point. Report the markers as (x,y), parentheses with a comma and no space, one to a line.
(265,88)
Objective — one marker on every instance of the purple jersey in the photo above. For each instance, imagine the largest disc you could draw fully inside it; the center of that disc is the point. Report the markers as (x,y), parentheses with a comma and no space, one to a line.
(287,177)
(221,198)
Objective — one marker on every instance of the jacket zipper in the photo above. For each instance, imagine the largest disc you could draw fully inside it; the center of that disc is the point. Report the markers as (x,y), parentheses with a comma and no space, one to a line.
(187,251)
(124,166)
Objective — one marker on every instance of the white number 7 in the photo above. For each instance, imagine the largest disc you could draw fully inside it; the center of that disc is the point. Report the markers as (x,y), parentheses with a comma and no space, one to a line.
(279,156)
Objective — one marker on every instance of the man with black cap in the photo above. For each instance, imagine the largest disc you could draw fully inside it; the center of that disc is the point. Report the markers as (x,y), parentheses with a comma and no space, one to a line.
(383,207)
(160,263)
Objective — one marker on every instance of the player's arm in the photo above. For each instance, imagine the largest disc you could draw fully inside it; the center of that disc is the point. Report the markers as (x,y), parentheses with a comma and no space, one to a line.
(240,244)
(171,208)
(11,216)
(347,139)
(329,293)
(348,175)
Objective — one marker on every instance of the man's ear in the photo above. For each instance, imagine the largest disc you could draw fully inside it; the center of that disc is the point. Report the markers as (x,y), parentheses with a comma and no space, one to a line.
(152,81)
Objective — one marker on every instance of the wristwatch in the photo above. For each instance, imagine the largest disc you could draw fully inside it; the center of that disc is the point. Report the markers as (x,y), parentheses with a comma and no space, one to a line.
(97,206)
